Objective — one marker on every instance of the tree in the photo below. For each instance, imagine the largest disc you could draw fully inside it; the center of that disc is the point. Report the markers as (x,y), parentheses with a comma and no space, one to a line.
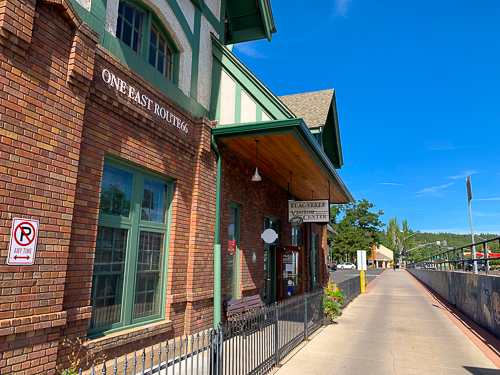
(357,226)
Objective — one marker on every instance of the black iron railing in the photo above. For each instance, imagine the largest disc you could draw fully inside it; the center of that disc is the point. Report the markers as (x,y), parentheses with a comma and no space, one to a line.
(251,344)
(459,258)
(350,288)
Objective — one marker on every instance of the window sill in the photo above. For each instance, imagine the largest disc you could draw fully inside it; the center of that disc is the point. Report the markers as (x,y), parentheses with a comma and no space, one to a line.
(122,338)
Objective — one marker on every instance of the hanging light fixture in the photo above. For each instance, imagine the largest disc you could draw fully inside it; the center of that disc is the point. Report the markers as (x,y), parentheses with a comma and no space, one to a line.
(256,176)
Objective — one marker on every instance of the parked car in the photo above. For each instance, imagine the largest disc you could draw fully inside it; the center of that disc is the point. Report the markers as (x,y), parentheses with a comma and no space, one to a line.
(347,265)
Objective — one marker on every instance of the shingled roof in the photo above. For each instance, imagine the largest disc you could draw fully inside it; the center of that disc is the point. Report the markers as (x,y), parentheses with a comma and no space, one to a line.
(313,107)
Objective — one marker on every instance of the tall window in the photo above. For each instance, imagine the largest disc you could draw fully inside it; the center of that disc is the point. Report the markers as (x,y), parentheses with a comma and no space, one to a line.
(296,236)
(130,253)
(137,27)
(233,238)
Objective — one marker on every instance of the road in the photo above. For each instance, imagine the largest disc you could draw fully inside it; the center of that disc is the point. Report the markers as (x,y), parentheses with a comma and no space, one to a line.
(341,275)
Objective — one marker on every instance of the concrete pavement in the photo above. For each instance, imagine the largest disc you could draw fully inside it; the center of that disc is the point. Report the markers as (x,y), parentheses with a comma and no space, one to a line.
(395,329)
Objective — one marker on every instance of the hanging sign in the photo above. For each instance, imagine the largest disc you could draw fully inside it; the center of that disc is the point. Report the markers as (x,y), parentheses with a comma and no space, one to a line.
(22,246)
(314,211)
(231,246)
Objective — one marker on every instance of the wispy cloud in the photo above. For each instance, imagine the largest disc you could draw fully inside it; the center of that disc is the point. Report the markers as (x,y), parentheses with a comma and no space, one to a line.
(342,7)
(445,145)
(434,190)
(250,50)
(390,183)
(464,174)
(488,199)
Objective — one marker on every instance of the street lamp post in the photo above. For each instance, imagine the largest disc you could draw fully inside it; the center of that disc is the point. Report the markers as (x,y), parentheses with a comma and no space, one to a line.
(404,244)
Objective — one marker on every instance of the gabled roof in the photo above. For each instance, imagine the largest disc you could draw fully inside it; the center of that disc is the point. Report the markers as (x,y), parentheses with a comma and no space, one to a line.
(319,110)
(248,20)
(313,107)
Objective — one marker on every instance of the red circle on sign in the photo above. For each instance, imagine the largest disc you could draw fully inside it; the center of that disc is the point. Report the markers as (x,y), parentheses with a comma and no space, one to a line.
(19,226)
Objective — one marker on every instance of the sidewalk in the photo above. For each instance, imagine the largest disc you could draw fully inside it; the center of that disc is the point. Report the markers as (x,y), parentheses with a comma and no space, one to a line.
(395,329)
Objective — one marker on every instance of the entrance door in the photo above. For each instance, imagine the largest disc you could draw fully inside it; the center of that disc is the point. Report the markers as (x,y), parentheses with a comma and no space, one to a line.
(289,271)
(269,274)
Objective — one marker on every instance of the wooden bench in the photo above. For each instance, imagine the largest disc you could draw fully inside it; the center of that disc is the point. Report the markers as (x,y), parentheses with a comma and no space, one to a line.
(234,308)
(253,303)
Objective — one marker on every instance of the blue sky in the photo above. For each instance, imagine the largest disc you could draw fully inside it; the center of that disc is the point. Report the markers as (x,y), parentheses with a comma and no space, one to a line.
(418,95)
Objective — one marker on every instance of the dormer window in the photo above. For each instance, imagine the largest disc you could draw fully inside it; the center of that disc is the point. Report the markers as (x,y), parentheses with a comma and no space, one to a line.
(137,27)
(130,26)
(160,54)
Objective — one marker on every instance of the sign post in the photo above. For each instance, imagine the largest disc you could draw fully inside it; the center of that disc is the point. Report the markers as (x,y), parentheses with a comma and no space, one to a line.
(22,246)
(362,268)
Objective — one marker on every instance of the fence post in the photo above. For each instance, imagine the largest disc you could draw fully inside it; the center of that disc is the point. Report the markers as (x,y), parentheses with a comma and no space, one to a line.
(276,334)
(305,317)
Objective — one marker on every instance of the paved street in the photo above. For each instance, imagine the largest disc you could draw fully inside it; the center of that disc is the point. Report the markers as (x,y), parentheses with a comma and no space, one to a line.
(341,275)
(395,329)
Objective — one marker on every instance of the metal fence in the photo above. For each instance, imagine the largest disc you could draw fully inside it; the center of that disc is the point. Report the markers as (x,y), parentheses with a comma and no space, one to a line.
(458,258)
(251,344)
(350,288)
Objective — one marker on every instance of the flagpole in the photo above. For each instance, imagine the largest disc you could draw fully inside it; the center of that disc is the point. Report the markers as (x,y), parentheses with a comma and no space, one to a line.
(469,198)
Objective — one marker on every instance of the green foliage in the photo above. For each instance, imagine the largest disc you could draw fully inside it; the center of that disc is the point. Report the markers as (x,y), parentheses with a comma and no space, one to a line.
(332,300)
(357,226)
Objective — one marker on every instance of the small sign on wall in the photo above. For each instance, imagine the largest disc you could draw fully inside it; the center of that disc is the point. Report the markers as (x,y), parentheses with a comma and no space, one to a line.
(254,257)
(22,246)
(231,246)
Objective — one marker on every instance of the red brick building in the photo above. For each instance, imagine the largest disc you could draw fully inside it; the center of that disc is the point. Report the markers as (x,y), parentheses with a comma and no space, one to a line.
(125,157)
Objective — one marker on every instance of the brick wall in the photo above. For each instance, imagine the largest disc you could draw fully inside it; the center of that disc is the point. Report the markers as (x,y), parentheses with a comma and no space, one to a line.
(41,116)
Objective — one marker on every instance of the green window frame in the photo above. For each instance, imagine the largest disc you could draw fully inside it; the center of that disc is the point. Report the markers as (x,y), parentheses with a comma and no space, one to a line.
(139,29)
(130,263)
(233,258)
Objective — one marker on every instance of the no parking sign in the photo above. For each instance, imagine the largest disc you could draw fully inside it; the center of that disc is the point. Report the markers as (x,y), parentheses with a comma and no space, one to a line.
(23,237)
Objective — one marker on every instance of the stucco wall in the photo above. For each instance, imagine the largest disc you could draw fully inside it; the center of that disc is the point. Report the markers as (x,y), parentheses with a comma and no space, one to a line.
(477,296)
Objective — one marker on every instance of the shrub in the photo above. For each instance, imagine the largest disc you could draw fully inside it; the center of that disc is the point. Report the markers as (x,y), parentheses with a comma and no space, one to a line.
(332,300)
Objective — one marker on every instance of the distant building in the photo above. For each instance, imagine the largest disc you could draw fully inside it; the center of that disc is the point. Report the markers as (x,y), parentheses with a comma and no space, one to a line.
(381,257)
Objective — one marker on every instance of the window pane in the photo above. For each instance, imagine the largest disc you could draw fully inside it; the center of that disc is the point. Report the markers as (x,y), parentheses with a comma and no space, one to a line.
(129,13)
(152,55)
(136,43)
(107,282)
(127,34)
(116,192)
(147,290)
(154,202)
(232,267)
(154,32)
(161,46)
(119,26)
(138,20)
(161,62)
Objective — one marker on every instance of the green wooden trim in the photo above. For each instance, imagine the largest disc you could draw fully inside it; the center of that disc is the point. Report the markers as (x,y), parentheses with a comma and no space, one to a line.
(252,85)
(237,104)
(299,130)
(267,18)
(215,101)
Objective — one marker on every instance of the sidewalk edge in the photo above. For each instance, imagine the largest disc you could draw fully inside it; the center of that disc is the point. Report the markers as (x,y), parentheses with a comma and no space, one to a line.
(484,340)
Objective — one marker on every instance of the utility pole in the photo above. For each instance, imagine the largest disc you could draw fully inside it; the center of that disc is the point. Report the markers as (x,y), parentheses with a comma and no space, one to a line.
(469,198)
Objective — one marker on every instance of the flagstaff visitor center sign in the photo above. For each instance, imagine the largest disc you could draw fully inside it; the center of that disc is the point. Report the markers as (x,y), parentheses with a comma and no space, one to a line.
(315,211)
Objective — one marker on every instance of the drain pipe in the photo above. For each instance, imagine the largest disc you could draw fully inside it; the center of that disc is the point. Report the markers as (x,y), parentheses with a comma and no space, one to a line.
(217,247)
(311,255)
